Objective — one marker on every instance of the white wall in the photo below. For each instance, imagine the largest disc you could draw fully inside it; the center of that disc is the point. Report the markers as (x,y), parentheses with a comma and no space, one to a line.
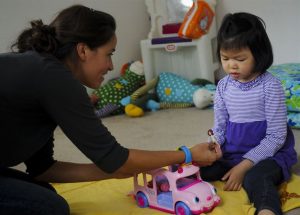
(282,18)
(131,16)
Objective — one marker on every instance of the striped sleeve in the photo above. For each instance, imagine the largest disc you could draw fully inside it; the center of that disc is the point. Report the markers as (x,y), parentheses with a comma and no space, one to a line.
(275,113)
(220,112)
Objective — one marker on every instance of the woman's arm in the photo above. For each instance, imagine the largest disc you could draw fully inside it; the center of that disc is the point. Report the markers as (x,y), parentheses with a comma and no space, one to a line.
(63,172)
(138,161)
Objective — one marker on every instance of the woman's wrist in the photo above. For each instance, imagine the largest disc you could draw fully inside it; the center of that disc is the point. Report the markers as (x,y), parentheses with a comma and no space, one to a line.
(187,153)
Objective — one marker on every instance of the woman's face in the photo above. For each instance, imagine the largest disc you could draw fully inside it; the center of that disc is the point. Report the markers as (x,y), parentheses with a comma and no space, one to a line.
(239,64)
(95,63)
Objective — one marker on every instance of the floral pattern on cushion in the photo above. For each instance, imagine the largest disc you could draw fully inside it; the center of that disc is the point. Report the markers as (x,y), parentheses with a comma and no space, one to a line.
(289,75)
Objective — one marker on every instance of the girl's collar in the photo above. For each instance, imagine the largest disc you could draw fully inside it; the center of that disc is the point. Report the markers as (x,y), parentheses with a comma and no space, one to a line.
(247,85)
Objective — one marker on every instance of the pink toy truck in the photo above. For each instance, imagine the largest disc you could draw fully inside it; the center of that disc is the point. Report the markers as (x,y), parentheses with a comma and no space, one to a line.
(177,190)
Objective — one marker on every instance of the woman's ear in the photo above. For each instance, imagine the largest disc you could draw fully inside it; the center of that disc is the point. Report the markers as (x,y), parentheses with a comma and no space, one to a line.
(82,51)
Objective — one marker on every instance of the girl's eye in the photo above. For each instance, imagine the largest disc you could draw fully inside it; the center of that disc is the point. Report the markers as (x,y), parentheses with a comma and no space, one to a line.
(240,59)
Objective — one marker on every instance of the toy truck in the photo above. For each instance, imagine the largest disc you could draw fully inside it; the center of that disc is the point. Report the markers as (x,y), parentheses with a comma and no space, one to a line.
(177,189)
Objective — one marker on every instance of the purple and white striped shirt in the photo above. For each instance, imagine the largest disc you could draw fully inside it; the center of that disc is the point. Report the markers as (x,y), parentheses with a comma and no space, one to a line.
(241,104)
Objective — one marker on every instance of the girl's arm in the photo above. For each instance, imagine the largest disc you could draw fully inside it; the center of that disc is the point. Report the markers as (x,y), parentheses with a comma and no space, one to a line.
(220,112)
(276,116)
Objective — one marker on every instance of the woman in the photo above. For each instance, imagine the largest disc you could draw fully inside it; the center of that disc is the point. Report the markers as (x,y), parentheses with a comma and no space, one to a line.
(41,87)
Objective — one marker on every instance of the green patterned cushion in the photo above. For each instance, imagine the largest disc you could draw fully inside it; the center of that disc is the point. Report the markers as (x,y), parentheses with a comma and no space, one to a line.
(113,91)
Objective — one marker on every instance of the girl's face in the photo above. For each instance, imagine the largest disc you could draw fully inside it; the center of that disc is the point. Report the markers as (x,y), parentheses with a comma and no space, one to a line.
(239,64)
(95,63)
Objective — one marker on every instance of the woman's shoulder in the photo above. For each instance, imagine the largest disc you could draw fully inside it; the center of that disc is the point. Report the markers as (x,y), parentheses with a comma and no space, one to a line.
(45,65)
(28,59)
(10,57)
(41,69)
(44,59)
(28,55)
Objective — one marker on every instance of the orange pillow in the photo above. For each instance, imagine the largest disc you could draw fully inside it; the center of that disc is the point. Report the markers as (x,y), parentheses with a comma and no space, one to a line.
(197,20)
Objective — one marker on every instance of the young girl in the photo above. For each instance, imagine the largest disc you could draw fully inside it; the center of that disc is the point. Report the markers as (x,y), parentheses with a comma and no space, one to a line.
(250,116)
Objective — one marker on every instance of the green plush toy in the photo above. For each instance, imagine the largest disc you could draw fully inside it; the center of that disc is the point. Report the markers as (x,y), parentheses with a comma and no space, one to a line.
(110,94)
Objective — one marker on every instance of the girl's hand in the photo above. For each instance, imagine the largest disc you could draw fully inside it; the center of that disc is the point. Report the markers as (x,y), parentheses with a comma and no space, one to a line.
(235,175)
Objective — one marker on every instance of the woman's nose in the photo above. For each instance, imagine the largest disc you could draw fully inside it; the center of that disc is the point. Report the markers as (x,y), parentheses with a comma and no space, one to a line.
(110,65)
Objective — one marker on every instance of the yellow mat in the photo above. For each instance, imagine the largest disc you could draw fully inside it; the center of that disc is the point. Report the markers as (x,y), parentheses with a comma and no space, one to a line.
(112,197)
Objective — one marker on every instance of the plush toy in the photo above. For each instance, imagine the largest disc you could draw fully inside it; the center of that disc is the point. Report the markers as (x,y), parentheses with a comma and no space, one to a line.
(108,96)
(171,91)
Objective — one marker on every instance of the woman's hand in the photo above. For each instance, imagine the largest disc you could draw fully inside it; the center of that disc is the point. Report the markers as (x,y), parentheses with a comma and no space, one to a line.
(213,146)
(235,175)
(205,154)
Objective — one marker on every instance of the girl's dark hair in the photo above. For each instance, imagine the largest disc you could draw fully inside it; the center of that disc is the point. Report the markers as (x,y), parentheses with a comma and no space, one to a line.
(71,26)
(242,30)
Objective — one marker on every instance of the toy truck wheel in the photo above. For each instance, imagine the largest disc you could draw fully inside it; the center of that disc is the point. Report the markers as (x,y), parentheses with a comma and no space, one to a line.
(142,200)
(182,209)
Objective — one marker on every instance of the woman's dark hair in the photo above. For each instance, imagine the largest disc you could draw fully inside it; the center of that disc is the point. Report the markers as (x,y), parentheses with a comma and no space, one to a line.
(244,30)
(71,26)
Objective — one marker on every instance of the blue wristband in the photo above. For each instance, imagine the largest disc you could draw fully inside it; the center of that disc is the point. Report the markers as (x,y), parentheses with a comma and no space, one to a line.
(188,154)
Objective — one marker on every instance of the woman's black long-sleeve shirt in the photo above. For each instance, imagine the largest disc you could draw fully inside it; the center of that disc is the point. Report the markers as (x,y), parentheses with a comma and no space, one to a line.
(37,94)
